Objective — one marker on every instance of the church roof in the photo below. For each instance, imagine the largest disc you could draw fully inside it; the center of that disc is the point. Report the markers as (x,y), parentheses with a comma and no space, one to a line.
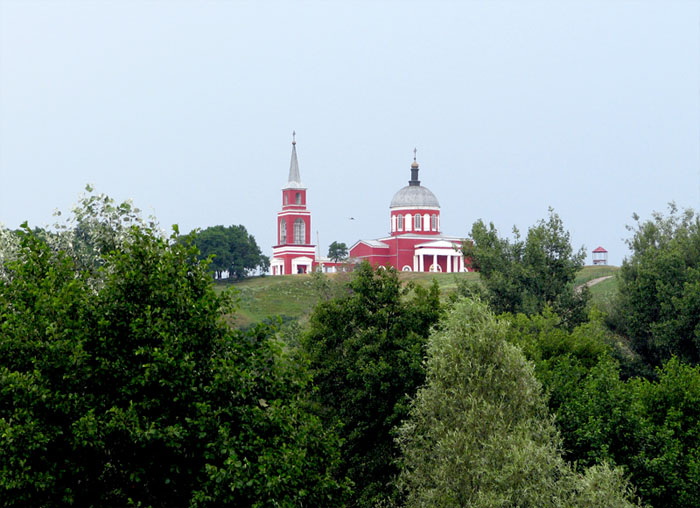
(294,180)
(414,195)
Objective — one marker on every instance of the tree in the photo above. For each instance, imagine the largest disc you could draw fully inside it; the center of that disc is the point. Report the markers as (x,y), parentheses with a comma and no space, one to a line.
(526,276)
(232,250)
(478,433)
(648,427)
(135,391)
(658,304)
(365,350)
(337,252)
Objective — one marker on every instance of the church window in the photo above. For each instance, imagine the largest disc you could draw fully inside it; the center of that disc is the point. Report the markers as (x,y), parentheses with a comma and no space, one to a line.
(286,199)
(417,222)
(400,221)
(433,222)
(408,222)
(283,232)
(298,198)
(299,231)
(426,222)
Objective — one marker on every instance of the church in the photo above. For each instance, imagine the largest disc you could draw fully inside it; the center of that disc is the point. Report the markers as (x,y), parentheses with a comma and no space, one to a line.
(415,242)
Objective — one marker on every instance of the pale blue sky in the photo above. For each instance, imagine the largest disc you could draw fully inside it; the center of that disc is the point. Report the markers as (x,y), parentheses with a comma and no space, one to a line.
(187,107)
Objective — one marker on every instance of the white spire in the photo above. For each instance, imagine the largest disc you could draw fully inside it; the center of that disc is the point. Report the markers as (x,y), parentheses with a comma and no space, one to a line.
(294,181)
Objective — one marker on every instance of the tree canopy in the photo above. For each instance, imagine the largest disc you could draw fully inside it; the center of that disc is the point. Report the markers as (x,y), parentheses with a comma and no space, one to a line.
(659,287)
(526,276)
(366,351)
(232,249)
(478,433)
(134,391)
(337,251)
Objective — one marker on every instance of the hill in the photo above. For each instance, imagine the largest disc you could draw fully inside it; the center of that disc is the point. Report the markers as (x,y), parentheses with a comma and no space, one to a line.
(293,297)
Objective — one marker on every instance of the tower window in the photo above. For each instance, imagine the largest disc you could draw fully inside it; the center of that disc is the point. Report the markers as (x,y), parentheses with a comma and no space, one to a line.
(417,222)
(283,232)
(400,222)
(298,198)
(433,222)
(286,199)
(299,231)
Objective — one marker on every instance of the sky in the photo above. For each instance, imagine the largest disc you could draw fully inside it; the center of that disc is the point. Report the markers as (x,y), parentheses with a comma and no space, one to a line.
(188,107)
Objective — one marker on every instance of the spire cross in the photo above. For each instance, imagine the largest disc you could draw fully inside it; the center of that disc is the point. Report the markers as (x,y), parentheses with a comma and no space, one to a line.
(294,137)
(415,151)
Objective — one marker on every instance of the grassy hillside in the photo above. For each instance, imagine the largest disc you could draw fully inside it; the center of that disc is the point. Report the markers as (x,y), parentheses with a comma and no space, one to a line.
(294,296)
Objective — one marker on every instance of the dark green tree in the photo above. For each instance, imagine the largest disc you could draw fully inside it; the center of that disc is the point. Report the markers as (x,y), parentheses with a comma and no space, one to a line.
(526,276)
(658,305)
(232,250)
(366,352)
(337,251)
(648,427)
(135,391)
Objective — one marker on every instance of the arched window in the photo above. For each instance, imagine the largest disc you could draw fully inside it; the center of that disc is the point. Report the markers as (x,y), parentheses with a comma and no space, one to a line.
(298,198)
(286,199)
(417,222)
(400,226)
(426,222)
(283,232)
(408,222)
(433,222)
(299,231)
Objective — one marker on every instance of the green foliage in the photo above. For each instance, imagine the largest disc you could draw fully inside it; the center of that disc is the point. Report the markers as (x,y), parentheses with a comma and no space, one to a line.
(666,467)
(526,276)
(136,392)
(659,290)
(366,351)
(649,427)
(337,251)
(478,433)
(232,250)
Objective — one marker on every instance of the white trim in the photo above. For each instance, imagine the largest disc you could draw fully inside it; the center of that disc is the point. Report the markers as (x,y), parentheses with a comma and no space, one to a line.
(415,208)
(292,249)
(406,268)
(292,212)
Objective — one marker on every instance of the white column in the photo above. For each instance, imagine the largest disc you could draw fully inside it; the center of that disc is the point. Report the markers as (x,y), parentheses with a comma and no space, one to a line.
(449,264)
(461,263)
(435,262)
(415,263)
(421,263)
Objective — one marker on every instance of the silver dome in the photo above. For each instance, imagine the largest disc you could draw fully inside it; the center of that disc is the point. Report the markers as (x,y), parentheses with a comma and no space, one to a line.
(414,196)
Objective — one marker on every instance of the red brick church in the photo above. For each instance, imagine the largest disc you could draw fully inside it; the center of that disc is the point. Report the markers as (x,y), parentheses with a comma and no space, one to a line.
(415,242)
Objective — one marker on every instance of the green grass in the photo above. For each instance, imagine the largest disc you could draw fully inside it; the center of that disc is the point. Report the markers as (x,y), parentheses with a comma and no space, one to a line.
(593,272)
(259,298)
(294,296)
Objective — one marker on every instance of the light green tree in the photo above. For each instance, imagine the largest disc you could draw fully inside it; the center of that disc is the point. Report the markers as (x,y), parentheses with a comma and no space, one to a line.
(478,433)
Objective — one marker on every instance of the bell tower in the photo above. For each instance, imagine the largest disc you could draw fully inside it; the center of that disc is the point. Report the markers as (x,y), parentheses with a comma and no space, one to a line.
(294,252)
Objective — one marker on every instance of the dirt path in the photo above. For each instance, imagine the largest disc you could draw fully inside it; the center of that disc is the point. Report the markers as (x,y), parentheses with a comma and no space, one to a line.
(593,282)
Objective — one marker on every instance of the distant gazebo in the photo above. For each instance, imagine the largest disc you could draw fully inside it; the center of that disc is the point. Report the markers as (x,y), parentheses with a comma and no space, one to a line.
(600,256)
